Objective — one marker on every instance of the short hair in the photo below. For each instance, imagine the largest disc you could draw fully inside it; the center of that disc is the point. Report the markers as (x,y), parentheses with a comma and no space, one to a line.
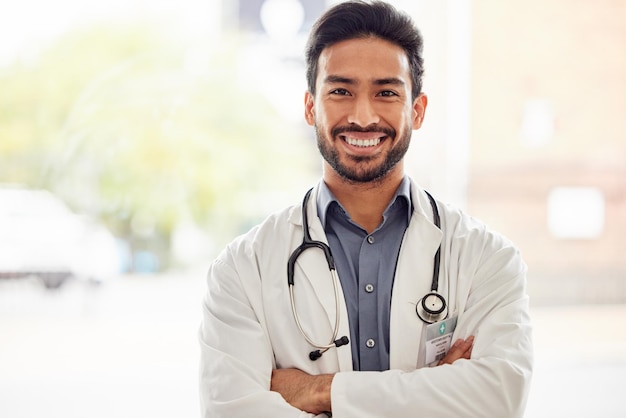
(362,19)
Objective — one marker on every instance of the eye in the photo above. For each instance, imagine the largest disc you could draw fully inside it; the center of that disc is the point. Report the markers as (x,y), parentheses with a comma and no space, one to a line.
(387,93)
(340,92)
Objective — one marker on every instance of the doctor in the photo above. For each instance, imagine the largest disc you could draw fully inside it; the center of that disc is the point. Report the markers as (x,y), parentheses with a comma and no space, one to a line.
(360,345)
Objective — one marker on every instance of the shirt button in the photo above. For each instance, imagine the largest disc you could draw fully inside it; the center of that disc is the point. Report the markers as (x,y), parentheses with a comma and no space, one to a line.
(370,343)
(370,239)
(369,288)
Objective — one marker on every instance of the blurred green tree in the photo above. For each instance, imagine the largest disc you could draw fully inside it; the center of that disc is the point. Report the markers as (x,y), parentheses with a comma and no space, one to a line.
(142,133)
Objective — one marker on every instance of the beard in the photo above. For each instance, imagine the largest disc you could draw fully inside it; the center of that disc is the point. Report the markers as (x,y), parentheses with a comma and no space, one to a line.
(361,171)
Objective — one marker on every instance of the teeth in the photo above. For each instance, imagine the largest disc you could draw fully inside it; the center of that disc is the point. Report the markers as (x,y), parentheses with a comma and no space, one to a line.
(363,143)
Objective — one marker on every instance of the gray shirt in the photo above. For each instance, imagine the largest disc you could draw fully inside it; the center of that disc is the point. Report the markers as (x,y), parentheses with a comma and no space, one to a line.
(366,264)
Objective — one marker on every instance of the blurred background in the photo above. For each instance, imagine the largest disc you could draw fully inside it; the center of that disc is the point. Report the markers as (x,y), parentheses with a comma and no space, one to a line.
(138,137)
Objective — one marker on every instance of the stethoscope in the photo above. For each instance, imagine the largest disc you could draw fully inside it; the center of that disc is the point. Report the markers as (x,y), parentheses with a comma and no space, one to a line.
(430,309)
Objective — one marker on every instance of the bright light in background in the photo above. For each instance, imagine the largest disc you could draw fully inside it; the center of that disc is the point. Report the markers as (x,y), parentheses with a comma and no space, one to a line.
(576,212)
(28,26)
(538,124)
(282,18)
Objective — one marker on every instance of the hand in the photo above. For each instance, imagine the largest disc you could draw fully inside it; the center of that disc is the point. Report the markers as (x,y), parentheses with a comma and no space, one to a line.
(460,349)
(309,393)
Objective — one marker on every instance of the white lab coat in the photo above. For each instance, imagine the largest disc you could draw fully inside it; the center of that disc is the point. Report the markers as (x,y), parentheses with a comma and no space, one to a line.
(248,327)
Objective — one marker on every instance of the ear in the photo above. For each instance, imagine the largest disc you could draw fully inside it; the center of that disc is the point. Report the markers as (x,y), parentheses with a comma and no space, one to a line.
(309,108)
(419,110)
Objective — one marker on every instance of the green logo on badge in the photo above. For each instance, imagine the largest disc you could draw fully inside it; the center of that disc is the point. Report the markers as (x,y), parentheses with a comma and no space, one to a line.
(442,328)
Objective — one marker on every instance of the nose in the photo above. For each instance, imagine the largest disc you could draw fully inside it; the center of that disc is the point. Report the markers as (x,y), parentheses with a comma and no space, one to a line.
(363,112)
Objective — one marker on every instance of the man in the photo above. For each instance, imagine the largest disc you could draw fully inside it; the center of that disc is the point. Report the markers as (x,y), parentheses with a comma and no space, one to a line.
(364,346)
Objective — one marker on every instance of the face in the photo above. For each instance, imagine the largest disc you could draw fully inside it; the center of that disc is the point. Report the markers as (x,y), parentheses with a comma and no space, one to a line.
(362,110)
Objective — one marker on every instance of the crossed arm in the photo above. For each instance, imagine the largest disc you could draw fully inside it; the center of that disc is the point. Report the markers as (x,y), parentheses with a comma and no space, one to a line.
(311,393)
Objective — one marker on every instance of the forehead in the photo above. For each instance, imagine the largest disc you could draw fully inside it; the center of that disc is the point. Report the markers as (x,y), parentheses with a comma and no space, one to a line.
(364,59)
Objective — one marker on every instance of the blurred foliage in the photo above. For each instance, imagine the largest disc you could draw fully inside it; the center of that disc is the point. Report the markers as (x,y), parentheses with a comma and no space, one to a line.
(142,133)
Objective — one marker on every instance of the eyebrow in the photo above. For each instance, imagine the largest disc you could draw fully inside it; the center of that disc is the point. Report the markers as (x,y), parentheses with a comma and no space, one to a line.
(391,80)
(337,79)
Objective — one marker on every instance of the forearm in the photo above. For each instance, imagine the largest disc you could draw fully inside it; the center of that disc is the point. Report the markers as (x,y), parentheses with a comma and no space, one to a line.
(230,387)
(470,389)
(236,360)
(310,393)
(494,383)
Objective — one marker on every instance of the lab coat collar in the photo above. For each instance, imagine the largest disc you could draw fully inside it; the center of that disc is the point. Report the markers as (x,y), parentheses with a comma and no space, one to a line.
(325,197)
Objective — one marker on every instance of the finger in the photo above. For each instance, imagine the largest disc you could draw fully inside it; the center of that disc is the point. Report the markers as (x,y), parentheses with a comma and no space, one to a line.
(460,349)
(468,353)
(467,346)
(454,353)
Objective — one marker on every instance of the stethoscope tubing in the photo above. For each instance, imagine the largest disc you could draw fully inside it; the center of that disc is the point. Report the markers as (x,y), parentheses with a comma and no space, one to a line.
(306,336)
(308,242)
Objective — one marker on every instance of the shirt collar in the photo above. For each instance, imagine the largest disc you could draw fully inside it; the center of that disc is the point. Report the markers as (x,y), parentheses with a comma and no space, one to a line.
(325,198)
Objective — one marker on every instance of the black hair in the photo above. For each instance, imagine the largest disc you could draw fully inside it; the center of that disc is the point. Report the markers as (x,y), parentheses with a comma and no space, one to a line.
(362,19)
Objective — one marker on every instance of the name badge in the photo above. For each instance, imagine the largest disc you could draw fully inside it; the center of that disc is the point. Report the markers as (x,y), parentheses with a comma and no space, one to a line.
(438,340)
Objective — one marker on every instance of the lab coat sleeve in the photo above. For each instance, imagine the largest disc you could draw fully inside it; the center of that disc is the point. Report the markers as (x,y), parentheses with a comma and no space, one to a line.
(236,358)
(493,383)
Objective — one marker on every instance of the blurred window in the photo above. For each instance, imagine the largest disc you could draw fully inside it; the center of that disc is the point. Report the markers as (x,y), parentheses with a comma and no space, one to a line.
(576,212)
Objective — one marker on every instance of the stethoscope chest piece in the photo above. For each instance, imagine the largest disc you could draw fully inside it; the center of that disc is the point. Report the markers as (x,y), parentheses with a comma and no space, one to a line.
(432,308)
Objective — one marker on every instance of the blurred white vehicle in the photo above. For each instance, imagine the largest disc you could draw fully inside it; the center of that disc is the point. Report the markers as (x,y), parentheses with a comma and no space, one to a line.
(40,236)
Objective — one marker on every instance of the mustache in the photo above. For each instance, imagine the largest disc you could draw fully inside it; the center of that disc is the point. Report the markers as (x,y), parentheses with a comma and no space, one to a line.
(390,132)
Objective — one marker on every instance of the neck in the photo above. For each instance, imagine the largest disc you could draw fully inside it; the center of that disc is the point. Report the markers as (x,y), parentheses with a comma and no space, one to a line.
(365,202)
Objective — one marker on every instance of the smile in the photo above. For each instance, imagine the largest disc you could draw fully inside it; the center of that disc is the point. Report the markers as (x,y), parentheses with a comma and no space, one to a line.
(362,142)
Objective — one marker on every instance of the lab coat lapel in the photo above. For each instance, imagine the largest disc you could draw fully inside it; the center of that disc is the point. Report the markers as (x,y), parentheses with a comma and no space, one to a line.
(412,281)
(313,266)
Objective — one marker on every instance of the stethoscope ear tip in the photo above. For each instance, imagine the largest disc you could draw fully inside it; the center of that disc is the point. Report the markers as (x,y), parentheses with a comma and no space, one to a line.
(314,355)
(342,341)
